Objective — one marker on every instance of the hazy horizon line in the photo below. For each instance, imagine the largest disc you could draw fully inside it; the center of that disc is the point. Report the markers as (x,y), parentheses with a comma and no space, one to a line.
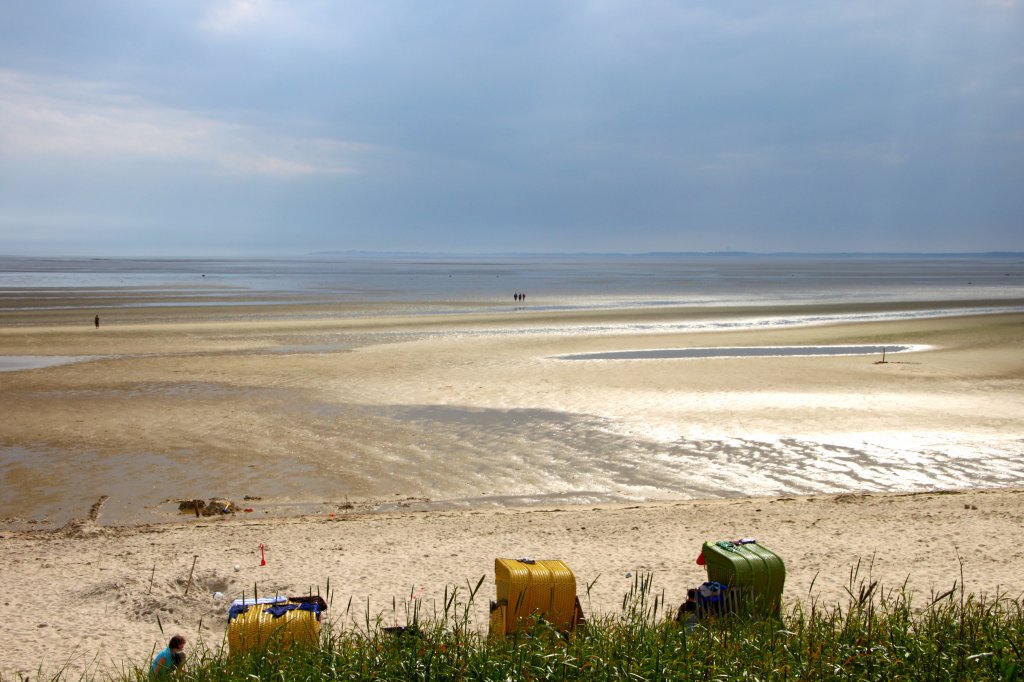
(366,253)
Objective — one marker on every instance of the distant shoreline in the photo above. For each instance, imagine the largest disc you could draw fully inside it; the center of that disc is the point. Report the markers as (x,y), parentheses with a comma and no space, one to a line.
(361,254)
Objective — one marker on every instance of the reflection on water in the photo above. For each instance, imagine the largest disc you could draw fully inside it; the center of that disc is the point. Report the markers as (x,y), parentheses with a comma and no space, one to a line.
(438,457)
(537,456)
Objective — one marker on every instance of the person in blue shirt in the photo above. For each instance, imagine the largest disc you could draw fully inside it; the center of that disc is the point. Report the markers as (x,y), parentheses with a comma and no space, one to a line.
(170,658)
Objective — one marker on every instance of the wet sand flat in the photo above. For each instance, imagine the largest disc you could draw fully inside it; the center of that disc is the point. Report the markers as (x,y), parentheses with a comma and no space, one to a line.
(317,408)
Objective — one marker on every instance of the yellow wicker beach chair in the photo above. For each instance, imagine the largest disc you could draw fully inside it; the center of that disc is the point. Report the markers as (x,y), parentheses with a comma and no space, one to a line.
(257,629)
(529,590)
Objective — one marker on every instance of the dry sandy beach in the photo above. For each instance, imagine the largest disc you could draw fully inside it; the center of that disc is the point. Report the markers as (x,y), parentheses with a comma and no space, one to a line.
(426,435)
(84,596)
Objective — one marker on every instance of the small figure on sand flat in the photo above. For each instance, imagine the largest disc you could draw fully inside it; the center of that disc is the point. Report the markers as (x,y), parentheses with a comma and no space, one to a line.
(97,321)
(170,658)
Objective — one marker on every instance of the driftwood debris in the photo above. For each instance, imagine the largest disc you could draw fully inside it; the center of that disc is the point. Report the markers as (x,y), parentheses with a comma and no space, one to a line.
(211,507)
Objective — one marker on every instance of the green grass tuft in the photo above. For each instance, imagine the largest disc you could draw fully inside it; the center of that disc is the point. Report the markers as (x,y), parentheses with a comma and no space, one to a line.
(876,634)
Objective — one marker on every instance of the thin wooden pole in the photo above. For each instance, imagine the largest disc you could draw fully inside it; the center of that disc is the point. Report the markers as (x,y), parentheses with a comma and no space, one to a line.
(194,557)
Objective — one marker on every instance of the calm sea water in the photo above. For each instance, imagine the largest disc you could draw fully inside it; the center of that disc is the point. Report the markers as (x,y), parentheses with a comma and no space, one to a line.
(551,281)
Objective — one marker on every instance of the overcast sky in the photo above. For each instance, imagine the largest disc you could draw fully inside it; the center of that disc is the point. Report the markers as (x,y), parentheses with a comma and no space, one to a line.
(213,127)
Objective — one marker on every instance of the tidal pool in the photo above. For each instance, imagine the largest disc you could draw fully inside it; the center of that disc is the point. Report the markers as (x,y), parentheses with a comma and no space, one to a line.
(14,363)
(739,352)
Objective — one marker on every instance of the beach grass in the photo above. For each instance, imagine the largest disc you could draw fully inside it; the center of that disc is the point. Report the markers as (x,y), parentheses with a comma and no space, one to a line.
(876,634)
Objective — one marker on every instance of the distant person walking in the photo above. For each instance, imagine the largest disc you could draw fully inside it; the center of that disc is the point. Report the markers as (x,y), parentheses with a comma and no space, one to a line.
(97,321)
